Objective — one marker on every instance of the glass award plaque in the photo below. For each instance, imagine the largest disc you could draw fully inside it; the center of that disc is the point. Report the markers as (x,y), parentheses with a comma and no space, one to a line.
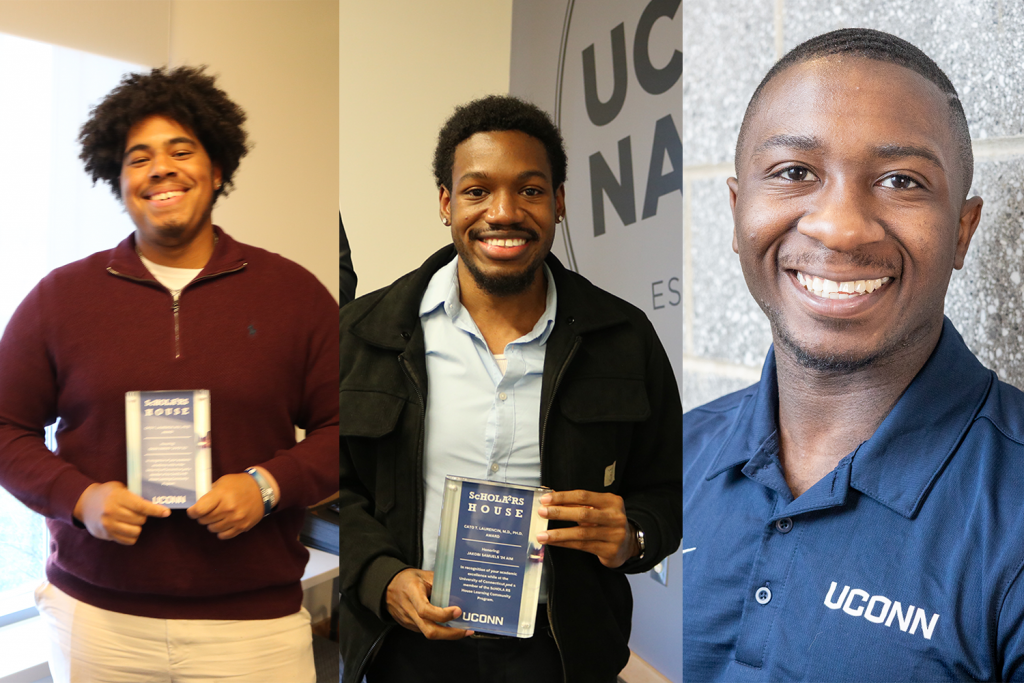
(488,559)
(168,436)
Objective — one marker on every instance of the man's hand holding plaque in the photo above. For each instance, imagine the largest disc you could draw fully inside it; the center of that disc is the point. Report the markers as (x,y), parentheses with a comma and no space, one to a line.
(601,525)
(111,512)
(232,505)
(408,602)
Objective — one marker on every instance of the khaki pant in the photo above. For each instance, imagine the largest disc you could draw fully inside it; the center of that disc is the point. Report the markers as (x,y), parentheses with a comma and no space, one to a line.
(89,644)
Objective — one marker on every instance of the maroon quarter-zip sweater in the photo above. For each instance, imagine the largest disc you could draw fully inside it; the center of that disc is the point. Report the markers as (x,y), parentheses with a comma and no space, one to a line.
(256,330)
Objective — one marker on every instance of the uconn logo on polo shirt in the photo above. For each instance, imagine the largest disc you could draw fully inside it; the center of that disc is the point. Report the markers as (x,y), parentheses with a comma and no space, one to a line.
(879,609)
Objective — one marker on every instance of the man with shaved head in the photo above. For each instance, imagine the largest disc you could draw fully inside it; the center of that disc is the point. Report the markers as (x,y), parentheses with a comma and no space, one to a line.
(856,514)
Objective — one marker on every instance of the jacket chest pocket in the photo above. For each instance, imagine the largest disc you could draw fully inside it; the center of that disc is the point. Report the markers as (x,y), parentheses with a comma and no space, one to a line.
(368,421)
(598,418)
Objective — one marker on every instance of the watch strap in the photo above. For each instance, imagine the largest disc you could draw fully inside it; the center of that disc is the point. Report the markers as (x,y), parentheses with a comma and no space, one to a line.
(266,490)
(641,543)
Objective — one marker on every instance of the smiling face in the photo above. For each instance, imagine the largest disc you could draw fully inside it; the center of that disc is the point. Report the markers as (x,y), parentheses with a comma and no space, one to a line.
(167,184)
(848,210)
(502,210)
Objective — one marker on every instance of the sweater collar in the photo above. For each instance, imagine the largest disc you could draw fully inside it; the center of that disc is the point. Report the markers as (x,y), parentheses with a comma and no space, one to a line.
(228,256)
(390,321)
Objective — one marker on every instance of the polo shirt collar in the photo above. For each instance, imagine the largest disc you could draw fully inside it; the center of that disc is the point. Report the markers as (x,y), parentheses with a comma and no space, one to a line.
(756,422)
(901,461)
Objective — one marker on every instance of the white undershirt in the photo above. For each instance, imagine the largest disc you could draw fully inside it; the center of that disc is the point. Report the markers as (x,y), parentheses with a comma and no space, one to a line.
(502,362)
(174,279)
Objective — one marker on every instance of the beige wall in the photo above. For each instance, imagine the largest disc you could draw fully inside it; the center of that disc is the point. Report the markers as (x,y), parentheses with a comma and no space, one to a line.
(277,58)
(128,30)
(402,72)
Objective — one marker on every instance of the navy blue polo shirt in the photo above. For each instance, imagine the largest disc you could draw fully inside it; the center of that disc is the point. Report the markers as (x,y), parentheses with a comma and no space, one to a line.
(902,564)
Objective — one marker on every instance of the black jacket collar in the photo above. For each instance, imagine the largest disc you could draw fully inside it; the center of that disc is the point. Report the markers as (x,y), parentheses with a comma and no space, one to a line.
(392,318)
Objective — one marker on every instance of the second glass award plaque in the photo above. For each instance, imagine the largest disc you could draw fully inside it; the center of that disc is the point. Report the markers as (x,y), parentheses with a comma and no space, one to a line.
(488,559)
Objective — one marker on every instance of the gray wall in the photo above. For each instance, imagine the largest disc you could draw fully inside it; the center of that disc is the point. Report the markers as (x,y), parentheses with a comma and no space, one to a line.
(728,46)
(627,260)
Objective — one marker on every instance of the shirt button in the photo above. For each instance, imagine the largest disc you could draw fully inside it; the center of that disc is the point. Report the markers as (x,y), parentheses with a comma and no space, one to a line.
(503,396)
(763,595)
(784,525)
(494,467)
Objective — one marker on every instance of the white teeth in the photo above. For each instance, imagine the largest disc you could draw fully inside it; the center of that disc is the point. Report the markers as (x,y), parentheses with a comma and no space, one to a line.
(516,242)
(166,195)
(829,289)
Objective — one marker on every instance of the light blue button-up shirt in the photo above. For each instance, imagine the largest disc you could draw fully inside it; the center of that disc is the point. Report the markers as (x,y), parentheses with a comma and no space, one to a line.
(480,423)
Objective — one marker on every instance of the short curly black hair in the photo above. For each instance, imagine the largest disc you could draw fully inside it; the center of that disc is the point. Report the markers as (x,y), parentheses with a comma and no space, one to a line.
(184,94)
(497,113)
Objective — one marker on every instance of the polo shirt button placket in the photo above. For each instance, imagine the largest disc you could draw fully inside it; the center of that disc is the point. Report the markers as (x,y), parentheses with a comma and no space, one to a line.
(768,577)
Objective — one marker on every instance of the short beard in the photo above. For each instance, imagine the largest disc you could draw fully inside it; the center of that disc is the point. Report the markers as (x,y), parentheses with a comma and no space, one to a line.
(511,284)
(173,230)
(506,284)
(832,363)
(171,234)
(828,363)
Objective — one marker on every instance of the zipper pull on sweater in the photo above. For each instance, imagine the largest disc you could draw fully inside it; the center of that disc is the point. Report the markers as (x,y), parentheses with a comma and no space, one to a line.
(175,307)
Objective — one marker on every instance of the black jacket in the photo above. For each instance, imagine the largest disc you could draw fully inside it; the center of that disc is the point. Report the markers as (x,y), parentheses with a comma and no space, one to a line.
(608,396)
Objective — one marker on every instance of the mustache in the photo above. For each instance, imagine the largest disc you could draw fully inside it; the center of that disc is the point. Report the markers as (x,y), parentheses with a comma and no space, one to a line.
(825,257)
(515,231)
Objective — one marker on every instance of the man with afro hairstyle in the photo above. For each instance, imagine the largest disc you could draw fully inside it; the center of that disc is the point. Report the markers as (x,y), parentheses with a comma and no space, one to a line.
(135,590)
(492,361)
(856,515)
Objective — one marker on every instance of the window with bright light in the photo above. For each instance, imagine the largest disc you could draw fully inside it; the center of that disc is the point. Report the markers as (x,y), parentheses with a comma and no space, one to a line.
(50,215)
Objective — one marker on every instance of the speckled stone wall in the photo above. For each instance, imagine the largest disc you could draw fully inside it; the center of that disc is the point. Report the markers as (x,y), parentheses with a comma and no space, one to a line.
(728,46)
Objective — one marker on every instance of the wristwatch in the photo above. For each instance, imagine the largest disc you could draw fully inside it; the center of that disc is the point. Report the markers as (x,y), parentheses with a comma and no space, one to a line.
(639,536)
(266,491)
